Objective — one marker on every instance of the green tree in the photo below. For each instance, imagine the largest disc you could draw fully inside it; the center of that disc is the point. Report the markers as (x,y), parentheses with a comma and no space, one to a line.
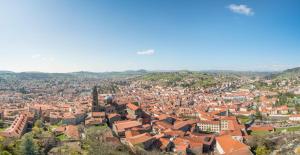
(46,141)
(262,150)
(96,144)
(1,124)
(8,144)
(28,146)
(258,114)
(38,123)
(5,153)
(297,107)
(36,131)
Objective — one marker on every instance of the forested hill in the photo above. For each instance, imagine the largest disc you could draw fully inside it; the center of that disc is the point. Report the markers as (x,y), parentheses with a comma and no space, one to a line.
(7,75)
(180,78)
(293,73)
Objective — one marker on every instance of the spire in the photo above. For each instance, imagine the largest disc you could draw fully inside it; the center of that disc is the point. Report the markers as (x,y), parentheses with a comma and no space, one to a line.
(227,112)
(95,99)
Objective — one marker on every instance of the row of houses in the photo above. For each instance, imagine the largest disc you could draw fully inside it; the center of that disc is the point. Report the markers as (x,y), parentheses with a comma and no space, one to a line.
(169,133)
(18,127)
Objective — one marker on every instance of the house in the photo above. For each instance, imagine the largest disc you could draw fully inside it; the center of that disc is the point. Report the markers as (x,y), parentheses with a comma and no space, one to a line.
(228,146)
(210,126)
(40,109)
(113,117)
(181,145)
(174,133)
(165,144)
(95,121)
(110,109)
(159,126)
(17,128)
(133,111)
(79,116)
(235,134)
(54,117)
(119,127)
(281,110)
(295,117)
(183,125)
(208,141)
(96,118)
(59,130)
(1,114)
(195,145)
(144,140)
(68,118)
(132,133)
(166,118)
(266,128)
(98,114)
(72,132)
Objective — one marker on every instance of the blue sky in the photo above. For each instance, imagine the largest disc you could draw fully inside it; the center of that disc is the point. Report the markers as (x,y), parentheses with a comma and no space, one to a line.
(116,35)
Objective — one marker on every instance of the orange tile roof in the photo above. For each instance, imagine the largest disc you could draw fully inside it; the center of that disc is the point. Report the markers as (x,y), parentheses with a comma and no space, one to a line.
(164,142)
(164,125)
(295,115)
(162,116)
(209,122)
(139,138)
(232,132)
(127,124)
(60,129)
(207,139)
(72,131)
(180,124)
(94,121)
(229,145)
(132,106)
(181,144)
(261,128)
(177,133)
(131,133)
(109,116)
(98,114)
(68,116)
(17,127)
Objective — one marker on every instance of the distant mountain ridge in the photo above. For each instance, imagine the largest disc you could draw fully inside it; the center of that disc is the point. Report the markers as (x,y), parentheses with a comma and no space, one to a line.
(293,70)
(288,74)
(82,74)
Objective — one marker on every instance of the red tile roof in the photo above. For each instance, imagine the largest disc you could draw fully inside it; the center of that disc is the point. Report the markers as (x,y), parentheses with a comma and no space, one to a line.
(127,124)
(139,138)
(72,131)
(261,128)
(231,146)
(132,106)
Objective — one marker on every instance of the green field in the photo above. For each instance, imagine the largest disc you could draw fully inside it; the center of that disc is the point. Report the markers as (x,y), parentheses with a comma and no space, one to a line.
(260,133)
(288,129)
(243,119)
(62,137)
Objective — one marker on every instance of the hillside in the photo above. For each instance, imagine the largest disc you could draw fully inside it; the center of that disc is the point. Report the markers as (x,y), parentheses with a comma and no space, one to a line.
(6,75)
(180,78)
(293,73)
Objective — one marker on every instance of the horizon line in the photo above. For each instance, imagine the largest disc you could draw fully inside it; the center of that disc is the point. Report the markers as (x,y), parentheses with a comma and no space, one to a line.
(149,70)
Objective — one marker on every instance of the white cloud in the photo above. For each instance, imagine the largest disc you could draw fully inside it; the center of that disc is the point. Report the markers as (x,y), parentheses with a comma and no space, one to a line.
(35,56)
(146,52)
(39,57)
(241,9)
